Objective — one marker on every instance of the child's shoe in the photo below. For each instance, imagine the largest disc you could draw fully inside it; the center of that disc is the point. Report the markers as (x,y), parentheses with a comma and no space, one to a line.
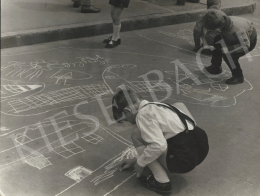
(149,182)
(233,80)
(107,40)
(113,44)
(213,69)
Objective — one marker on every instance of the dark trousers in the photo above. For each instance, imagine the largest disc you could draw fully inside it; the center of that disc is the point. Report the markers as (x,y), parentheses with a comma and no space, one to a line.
(186,150)
(217,57)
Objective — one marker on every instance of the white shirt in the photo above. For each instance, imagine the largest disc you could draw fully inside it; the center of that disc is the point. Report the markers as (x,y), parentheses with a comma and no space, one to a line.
(157,124)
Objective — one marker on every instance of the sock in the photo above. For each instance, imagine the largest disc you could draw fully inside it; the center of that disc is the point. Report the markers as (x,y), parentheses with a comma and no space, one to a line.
(157,169)
(116,30)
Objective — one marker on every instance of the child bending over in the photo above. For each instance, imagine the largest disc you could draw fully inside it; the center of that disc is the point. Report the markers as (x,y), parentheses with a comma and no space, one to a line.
(166,138)
(200,33)
(238,37)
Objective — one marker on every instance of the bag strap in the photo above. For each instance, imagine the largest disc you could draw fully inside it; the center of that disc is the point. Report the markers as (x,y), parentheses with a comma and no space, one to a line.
(183,117)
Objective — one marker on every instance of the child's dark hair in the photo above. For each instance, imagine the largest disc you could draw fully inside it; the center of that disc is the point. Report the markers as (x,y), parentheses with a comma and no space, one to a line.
(214,19)
(120,101)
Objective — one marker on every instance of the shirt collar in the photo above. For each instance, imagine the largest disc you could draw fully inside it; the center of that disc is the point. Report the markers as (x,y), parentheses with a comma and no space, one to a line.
(142,104)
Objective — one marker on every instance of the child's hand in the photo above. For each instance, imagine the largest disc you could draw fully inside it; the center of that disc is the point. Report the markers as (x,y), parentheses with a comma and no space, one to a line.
(126,163)
(139,170)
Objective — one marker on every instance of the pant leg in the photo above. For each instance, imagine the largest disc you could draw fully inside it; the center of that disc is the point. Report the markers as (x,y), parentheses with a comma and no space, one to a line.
(217,55)
(237,71)
(236,68)
(86,2)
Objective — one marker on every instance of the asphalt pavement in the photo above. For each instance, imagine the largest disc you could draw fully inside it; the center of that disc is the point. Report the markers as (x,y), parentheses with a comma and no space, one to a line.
(51,88)
(27,22)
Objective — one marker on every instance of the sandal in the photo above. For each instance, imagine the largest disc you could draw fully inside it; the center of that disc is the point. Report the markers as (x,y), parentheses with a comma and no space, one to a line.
(114,43)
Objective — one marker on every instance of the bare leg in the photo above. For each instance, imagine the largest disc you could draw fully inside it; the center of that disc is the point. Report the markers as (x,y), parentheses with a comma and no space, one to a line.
(115,15)
(156,166)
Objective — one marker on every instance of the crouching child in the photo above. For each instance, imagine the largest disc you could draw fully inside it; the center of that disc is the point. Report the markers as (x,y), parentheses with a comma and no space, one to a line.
(238,37)
(166,138)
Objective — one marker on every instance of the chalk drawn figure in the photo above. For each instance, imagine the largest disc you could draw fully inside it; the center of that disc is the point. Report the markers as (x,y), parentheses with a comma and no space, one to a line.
(65,74)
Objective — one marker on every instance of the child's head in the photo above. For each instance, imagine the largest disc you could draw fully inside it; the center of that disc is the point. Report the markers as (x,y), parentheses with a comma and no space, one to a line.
(127,102)
(215,19)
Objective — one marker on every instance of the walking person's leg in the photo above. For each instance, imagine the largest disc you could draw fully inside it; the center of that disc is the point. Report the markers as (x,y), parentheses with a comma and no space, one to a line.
(115,15)
(88,7)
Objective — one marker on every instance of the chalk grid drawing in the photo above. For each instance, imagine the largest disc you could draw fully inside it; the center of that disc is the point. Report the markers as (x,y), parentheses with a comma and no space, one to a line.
(78,173)
(150,86)
(39,161)
(93,138)
(22,138)
(57,97)
(68,150)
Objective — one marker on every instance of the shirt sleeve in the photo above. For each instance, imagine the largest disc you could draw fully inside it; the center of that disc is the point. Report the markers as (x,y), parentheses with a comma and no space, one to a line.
(244,41)
(197,32)
(152,134)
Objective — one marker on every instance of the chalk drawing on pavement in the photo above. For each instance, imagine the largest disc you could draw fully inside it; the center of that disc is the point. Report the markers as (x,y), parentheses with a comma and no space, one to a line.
(39,161)
(78,173)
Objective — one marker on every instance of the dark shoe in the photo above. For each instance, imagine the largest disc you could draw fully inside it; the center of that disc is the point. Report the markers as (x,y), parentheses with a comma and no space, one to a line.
(212,69)
(114,43)
(89,9)
(109,39)
(150,183)
(76,4)
(233,80)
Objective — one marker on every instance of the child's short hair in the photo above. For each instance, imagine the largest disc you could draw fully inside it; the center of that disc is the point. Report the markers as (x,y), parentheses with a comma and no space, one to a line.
(214,19)
(120,101)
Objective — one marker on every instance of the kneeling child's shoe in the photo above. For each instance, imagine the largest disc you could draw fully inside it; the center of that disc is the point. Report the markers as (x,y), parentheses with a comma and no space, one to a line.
(150,183)
(234,80)
(213,69)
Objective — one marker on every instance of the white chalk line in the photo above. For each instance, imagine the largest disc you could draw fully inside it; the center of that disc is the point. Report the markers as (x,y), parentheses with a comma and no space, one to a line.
(67,188)
(119,184)
(1,193)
